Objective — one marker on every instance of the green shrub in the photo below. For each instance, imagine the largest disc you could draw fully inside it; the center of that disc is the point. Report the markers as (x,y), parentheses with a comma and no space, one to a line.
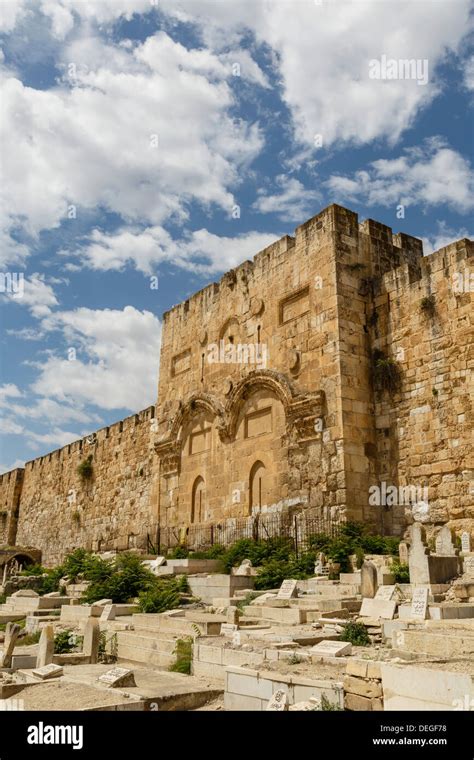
(178,552)
(327,706)
(65,642)
(184,656)
(30,638)
(246,600)
(159,598)
(85,469)
(387,374)
(214,552)
(401,572)
(120,580)
(3,598)
(356,634)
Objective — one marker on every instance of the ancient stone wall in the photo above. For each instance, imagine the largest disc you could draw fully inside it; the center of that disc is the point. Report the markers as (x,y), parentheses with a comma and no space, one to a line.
(274,398)
(60,510)
(10,491)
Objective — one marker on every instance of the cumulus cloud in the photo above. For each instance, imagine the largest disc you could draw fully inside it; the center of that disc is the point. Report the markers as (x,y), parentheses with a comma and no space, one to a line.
(430,175)
(293,201)
(200,251)
(322,53)
(142,131)
(116,363)
(33,292)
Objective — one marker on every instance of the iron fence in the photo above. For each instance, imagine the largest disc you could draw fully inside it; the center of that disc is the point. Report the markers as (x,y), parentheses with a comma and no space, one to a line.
(298,529)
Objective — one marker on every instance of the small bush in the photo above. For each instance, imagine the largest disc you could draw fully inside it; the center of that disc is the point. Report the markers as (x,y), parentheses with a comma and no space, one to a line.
(327,706)
(30,638)
(356,634)
(428,305)
(401,572)
(184,656)
(159,598)
(214,552)
(387,375)
(85,468)
(178,552)
(107,657)
(65,642)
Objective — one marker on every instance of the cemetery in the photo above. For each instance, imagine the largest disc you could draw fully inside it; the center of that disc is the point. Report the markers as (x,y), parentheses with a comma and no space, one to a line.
(388,632)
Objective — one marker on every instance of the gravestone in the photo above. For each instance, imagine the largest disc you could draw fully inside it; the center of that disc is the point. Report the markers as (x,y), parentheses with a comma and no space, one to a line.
(403,553)
(118,677)
(329,648)
(417,557)
(232,615)
(228,629)
(108,613)
(278,701)
(48,671)
(12,631)
(444,542)
(378,608)
(236,639)
(419,603)
(368,580)
(103,602)
(90,646)
(287,590)
(466,542)
(386,592)
(24,592)
(45,647)
(469,566)
(245,568)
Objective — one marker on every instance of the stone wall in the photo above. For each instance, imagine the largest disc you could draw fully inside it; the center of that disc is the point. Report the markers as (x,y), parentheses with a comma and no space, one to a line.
(269,401)
(10,491)
(61,511)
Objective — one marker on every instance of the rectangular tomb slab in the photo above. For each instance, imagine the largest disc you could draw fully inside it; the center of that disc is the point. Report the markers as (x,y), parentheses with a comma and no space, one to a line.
(287,589)
(378,608)
(48,671)
(332,649)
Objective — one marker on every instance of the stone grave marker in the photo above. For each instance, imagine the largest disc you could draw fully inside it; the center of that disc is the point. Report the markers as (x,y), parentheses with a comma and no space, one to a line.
(378,608)
(11,634)
(278,701)
(328,648)
(368,580)
(466,542)
(417,557)
(46,647)
(232,615)
(48,671)
(385,592)
(444,542)
(469,565)
(403,553)
(118,677)
(108,613)
(90,646)
(236,639)
(419,603)
(228,629)
(287,590)
(245,568)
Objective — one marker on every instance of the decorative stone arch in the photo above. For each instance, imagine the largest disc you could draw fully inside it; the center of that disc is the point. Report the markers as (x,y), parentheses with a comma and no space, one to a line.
(257,380)
(231,322)
(191,407)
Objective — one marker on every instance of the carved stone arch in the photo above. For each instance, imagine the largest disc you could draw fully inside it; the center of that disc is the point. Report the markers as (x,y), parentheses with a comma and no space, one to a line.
(265,379)
(191,407)
(229,324)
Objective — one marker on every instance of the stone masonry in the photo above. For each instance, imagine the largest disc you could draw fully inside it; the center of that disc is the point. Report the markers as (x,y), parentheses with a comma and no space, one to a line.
(274,396)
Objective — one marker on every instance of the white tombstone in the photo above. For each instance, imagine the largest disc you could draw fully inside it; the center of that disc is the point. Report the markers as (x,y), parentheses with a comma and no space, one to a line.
(444,542)
(279,701)
(48,671)
(117,677)
(466,542)
(329,648)
(419,603)
(288,589)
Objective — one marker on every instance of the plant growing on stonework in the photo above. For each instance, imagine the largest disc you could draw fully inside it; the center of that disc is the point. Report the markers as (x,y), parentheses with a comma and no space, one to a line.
(356,634)
(428,305)
(184,656)
(400,572)
(386,372)
(76,517)
(108,648)
(327,706)
(65,642)
(159,598)
(85,469)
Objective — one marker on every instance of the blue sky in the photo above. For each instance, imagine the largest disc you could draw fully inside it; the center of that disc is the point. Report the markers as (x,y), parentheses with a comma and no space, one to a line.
(131,132)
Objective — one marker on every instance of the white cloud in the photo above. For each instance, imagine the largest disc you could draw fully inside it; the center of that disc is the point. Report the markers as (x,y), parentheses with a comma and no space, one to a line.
(200,251)
(117,359)
(294,202)
(469,73)
(430,175)
(13,466)
(35,293)
(444,235)
(323,53)
(9,390)
(93,144)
